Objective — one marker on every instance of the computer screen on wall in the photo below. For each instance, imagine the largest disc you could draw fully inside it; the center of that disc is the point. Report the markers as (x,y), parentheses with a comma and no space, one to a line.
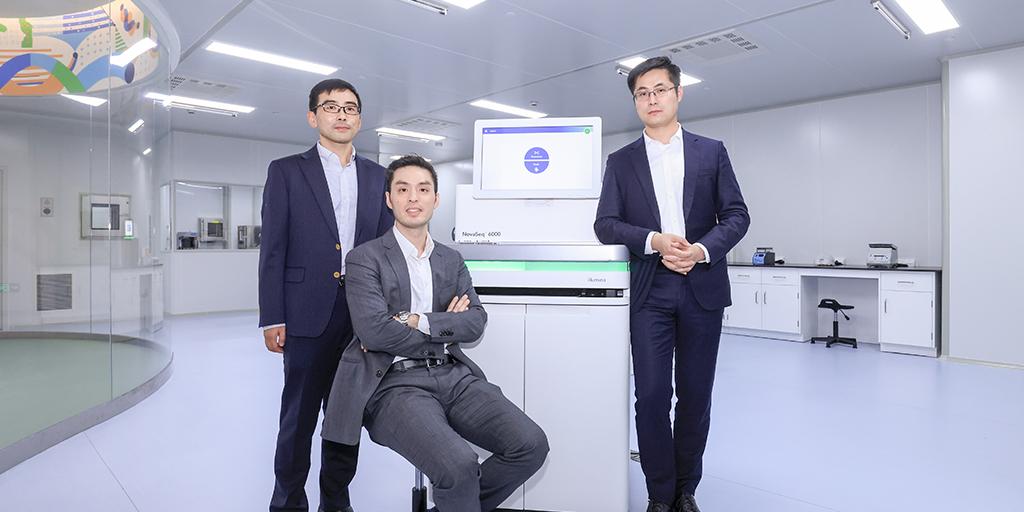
(537,158)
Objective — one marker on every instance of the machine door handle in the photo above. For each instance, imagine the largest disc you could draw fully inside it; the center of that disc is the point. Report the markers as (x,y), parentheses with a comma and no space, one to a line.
(885,306)
(755,298)
(765,296)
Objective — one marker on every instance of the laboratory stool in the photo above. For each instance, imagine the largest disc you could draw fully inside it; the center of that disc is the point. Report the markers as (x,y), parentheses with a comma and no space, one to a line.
(836,308)
(419,494)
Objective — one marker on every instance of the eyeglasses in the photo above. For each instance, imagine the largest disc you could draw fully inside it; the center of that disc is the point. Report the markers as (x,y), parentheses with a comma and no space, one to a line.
(657,92)
(332,107)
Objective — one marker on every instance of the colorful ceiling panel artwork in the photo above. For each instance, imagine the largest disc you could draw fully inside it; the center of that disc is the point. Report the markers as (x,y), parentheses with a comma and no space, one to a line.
(72,53)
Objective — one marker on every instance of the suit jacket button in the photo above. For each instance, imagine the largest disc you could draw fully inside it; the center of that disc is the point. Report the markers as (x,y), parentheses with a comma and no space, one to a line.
(337,247)
(380,373)
(337,275)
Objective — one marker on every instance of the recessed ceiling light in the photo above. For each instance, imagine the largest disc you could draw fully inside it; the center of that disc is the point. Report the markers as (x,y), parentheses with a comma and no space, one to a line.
(508,109)
(632,62)
(186,102)
(134,51)
(465,4)
(269,58)
(626,65)
(147,151)
(136,125)
(930,16)
(88,100)
(406,134)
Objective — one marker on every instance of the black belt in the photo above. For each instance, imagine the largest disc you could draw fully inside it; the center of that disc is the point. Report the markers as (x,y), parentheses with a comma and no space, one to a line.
(409,364)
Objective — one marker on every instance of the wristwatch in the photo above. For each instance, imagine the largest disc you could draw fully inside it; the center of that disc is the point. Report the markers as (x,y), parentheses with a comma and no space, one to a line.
(403,316)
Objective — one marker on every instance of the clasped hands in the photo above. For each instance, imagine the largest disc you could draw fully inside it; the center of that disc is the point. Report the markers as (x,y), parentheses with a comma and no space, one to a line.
(677,254)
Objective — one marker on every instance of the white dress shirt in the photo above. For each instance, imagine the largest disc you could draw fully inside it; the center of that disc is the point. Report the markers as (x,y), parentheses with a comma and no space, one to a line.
(421,280)
(668,170)
(344,187)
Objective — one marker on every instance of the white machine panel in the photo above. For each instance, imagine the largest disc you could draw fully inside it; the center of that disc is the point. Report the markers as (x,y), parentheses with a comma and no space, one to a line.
(523,221)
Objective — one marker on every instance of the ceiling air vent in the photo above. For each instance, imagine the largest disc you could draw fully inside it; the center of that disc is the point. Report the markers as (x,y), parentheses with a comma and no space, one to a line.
(726,45)
(188,86)
(425,124)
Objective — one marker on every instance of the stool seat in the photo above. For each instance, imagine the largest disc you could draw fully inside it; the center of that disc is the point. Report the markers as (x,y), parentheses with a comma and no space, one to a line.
(837,309)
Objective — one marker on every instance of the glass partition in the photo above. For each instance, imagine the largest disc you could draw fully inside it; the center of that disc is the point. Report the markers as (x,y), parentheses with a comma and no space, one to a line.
(81,300)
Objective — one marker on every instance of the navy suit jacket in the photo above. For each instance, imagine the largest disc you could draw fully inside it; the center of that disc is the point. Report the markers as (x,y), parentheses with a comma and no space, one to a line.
(299,251)
(714,213)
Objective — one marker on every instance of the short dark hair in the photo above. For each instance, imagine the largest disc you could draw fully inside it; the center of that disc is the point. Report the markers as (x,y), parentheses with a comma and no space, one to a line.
(413,160)
(651,64)
(328,86)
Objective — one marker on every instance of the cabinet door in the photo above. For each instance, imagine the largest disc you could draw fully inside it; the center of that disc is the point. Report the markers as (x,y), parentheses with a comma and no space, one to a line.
(907,318)
(745,312)
(577,390)
(780,308)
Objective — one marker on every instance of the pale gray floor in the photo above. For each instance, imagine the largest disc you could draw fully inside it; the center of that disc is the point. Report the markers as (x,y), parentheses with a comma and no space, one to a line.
(797,428)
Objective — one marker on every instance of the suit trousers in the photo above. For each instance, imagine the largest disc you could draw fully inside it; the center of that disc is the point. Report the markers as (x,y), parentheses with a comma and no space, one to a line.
(672,323)
(309,367)
(427,415)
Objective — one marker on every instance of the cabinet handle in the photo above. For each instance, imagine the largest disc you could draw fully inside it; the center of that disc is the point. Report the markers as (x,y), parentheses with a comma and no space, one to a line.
(885,306)
(755,298)
(904,282)
(778,277)
(765,294)
(742,275)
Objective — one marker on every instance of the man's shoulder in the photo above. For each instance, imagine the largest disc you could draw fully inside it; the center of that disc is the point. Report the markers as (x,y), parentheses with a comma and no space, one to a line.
(625,150)
(369,164)
(449,253)
(700,139)
(288,162)
(367,250)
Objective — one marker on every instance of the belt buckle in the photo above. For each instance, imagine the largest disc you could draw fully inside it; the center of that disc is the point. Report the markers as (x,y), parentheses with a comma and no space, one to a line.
(434,363)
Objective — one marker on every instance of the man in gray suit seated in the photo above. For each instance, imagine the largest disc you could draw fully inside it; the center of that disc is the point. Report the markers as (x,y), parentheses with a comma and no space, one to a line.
(412,304)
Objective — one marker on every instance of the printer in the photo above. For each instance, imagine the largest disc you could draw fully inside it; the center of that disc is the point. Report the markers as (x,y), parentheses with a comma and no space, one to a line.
(882,255)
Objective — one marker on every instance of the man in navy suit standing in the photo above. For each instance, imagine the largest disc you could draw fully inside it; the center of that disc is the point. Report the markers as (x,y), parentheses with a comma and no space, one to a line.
(672,198)
(317,206)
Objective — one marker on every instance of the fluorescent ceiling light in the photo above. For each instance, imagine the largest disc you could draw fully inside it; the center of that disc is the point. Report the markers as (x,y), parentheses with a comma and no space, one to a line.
(136,49)
(424,137)
(891,18)
(930,16)
(632,62)
(465,4)
(147,151)
(136,125)
(186,102)
(626,65)
(508,109)
(423,4)
(88,100)
(269,58)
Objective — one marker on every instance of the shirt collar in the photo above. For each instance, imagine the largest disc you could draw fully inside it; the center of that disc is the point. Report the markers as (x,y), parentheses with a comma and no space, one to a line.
(677,136)
(326,154)
(409,249)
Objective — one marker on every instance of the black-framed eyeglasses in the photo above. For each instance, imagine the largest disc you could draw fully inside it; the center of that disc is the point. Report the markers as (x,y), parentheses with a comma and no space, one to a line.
(657,92)
(332,107)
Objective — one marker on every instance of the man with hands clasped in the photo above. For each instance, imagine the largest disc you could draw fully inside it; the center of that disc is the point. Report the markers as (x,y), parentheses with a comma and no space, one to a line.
(672,198)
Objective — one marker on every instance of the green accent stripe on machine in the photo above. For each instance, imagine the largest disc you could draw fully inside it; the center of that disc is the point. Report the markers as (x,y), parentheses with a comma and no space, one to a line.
(549,266)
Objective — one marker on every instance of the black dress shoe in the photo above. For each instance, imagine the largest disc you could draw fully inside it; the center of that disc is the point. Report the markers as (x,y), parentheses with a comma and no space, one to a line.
(656,506)
(346,509)
(687,503)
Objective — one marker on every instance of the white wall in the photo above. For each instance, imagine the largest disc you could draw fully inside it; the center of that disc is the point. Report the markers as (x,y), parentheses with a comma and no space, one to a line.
(827,178)
(61,158)
(986,176)
(221,280)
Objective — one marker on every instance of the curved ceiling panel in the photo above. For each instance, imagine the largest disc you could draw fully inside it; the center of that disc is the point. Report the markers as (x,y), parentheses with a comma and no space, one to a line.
(111,45)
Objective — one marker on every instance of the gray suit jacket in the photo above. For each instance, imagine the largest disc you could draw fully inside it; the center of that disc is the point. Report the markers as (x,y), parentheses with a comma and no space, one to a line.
(378,287)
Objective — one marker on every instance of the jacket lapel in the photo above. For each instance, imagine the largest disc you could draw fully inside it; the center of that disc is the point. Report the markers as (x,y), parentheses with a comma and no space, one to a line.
(397,260)
(313,171)
(437,268)
(691,166)
(642,168)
